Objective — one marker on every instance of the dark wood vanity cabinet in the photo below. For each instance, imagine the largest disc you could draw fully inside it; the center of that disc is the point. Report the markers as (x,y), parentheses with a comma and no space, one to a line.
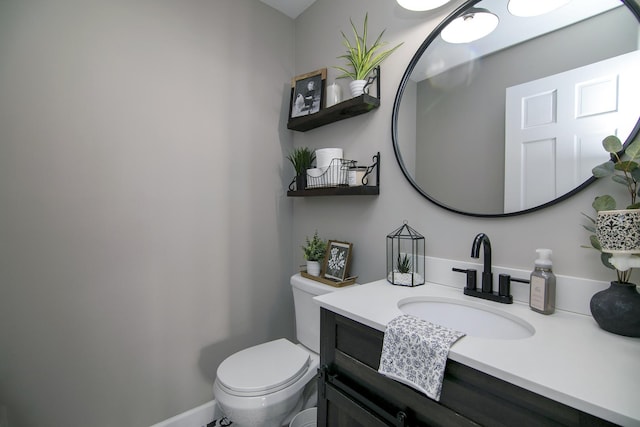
(353,393)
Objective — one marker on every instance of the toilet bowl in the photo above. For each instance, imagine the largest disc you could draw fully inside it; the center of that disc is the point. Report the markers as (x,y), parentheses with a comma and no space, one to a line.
(268,384)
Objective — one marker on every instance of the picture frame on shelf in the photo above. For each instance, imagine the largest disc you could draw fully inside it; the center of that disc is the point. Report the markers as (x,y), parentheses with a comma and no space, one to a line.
(307,93)
(337,260)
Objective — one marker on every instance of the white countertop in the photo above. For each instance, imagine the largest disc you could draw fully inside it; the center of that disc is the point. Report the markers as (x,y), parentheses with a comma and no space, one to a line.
(569,358)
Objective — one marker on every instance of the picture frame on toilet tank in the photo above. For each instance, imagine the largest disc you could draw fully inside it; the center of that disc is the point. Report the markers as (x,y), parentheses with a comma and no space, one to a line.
(337,260)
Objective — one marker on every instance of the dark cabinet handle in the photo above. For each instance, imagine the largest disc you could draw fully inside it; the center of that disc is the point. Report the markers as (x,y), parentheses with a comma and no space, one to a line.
(401,418)
(333,389)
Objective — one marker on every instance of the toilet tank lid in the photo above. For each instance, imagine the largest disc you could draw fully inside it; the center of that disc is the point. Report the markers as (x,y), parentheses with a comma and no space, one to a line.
(311,286)
(264,368)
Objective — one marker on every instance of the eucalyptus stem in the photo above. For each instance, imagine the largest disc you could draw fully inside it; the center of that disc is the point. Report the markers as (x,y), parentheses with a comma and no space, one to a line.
(624,276)
(632,185)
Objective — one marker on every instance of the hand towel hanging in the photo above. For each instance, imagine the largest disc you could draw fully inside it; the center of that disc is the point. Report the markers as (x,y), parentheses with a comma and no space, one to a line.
(414,352)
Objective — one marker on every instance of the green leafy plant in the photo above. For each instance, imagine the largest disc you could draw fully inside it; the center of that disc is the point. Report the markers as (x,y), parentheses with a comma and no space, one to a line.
(623,169)
(404,263)
(302,159)
(315,249)
(362,59)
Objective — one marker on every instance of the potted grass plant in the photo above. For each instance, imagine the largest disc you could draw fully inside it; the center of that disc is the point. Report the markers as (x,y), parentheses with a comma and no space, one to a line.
(301,158)
(362,58)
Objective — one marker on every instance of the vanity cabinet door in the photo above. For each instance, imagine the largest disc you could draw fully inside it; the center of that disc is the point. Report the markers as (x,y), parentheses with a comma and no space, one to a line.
(347,403)
(353,393)
(342,409)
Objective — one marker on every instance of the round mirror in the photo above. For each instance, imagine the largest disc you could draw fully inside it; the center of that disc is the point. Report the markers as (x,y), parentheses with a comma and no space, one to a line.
(514,122)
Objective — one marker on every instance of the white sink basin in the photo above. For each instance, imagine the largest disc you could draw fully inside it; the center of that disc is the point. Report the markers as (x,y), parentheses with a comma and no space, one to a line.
(475,320)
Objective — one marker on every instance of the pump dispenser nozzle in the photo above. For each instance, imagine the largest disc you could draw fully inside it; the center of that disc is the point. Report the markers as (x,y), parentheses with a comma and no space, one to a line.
(544,258)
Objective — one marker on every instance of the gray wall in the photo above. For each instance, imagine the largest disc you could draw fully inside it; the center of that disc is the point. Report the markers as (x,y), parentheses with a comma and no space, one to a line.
(145,234)
(365,221)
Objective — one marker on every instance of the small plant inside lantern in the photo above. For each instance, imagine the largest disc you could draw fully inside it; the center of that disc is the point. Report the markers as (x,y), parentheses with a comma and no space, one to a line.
(405,257)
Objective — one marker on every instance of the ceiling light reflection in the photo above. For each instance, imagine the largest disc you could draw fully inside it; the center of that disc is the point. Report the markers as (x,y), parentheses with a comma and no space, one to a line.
(420,5)
(473,25)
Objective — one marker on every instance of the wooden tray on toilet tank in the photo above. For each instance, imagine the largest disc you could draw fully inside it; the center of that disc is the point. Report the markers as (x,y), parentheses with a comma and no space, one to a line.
(334,283)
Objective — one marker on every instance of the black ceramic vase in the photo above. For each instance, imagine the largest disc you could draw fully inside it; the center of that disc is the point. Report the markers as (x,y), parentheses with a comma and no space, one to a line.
(617,309)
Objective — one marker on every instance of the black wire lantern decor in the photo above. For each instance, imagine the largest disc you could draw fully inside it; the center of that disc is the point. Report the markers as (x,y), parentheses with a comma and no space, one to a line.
(405,257)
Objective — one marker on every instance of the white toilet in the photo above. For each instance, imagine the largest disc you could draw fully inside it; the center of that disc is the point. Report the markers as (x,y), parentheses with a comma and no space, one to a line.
(268,384)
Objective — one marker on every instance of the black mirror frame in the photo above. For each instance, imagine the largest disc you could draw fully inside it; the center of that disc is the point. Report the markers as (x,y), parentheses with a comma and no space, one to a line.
(631,5)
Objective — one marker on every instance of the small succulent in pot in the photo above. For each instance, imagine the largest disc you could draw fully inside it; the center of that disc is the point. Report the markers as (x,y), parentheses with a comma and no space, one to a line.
(403,274)
(404,263)
(623,168)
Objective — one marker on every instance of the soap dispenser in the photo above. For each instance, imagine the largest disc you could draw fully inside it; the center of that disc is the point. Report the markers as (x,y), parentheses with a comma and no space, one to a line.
(542,295)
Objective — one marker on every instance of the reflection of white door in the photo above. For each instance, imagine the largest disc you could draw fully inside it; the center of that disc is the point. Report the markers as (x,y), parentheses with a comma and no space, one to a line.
(554,127)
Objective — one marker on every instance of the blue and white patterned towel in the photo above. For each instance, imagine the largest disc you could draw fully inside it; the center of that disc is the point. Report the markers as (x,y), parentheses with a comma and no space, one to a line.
(414,352)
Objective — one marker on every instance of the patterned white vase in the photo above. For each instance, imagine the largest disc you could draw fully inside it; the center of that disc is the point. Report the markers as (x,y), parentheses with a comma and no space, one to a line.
(618,231)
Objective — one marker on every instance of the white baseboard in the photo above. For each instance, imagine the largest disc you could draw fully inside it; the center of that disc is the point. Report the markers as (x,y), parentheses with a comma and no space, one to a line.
(196,417)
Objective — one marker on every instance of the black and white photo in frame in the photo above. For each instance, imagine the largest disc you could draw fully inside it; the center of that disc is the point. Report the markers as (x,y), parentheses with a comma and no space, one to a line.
(307,93)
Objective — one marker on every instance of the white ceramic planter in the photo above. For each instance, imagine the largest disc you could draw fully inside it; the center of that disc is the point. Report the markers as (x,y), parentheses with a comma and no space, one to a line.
(313,268)
(357,87)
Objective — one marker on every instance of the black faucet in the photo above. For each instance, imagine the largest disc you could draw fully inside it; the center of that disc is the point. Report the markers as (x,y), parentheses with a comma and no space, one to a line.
(487,275)
(486,291)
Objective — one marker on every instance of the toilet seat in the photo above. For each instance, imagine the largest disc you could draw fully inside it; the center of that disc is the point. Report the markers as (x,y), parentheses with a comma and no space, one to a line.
(263,369)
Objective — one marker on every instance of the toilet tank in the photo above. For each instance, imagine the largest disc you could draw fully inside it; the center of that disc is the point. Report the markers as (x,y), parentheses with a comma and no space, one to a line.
(307,311)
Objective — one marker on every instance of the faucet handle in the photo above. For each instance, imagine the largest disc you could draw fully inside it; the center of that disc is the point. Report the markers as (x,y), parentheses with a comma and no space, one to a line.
(471,277)
(504,284)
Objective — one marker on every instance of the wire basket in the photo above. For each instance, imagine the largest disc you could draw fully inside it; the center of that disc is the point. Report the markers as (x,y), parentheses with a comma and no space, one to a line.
(334,175)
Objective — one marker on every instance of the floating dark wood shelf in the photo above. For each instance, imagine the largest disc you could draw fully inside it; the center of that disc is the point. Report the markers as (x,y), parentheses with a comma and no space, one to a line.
(344,190)
(344,110)
(363,190)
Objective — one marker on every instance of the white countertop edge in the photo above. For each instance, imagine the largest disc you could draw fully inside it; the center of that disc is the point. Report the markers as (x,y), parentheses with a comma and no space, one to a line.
(353,304)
